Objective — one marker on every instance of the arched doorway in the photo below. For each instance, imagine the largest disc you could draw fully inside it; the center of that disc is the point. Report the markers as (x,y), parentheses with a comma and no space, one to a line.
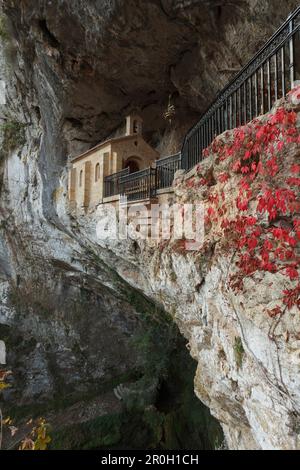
(133,165)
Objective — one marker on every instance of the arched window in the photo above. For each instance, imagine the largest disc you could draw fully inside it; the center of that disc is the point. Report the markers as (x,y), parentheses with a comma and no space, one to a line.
(97,172)
(80,177)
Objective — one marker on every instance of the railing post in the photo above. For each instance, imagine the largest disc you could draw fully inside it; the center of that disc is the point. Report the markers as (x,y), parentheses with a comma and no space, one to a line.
(292,55)
(283,71)
(251,93)
(262,89)
(250,98)
(269,85)
(152,177)
(276,75)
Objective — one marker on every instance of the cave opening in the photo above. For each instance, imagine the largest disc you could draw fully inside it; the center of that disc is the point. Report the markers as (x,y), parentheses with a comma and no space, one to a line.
(48,36)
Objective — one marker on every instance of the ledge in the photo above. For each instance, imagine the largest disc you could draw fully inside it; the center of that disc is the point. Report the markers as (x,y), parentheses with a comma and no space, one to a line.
(114,198)
(143,201)
(168,190)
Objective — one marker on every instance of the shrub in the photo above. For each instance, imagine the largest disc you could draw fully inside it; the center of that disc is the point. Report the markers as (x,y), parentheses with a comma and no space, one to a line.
(238,351)
(13,136)
(3,29)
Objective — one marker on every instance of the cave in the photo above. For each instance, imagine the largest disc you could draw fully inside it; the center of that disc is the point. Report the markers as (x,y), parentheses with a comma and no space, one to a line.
(139,344)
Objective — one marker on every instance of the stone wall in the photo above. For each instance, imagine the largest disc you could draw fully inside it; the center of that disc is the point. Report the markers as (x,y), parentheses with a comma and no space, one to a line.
(239,326)
(68,71)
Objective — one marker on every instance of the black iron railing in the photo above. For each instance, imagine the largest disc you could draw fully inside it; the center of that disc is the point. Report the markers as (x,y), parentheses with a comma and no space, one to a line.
(140,185)
(112,183)
(165,170)
(145,183)
(267,77)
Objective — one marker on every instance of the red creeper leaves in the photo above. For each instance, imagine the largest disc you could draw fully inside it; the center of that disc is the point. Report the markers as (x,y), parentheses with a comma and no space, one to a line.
(268,243)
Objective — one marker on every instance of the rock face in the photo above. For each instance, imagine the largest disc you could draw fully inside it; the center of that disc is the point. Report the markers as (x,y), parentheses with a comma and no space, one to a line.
(70,72)
(242,333)
(86,65)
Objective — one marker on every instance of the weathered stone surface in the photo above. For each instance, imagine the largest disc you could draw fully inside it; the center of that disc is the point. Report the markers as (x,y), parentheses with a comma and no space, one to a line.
(248,363)
(90,63)
(70,72)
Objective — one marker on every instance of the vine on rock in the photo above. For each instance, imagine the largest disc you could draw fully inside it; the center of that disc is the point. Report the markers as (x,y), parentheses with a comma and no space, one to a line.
(262,222)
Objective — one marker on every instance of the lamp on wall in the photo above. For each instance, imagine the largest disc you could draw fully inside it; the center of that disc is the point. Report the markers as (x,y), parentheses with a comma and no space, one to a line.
(170,111)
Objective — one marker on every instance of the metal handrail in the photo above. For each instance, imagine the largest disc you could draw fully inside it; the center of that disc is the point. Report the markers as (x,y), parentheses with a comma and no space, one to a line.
(169,158)
(135,175)
(139,185)
(251,92)
(165,170)
(265,78)
(120,173)
(112,183)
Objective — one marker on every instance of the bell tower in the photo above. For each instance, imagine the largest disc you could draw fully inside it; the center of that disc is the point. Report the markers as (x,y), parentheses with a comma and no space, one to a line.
(134,124)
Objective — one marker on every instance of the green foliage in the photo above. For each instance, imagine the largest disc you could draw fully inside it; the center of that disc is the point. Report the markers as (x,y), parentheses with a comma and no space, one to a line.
(39,437)
(238,351)
(154,347)
(3,29)
(13,136)
(154,343)
(160,409)
(103,431)
(155,422)
(188,424)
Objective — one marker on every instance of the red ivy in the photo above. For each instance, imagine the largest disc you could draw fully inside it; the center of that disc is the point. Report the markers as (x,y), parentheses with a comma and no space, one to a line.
(270,241)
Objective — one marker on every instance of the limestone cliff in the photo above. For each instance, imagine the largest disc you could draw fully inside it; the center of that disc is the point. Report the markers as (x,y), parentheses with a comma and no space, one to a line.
(67,82)
(241,318)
